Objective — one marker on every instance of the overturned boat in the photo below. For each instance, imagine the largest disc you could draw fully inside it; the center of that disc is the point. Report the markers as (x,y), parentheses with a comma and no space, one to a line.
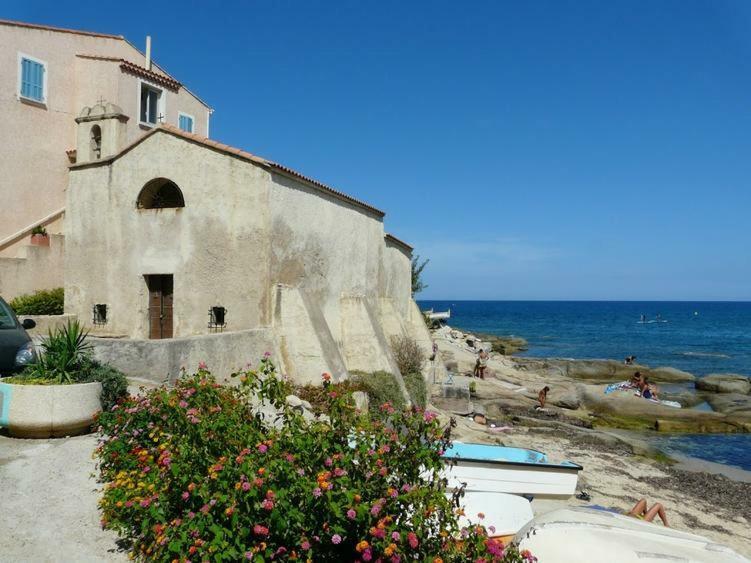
(586,535)
(500,469)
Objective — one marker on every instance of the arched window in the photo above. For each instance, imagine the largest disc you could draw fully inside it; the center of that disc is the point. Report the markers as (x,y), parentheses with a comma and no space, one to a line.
(96,142)
(160,193)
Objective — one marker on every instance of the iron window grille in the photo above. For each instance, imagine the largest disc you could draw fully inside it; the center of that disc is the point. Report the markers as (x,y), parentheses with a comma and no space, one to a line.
(217,318)
(100,314)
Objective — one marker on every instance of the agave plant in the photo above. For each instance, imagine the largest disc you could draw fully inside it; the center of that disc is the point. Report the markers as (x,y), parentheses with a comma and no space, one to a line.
(63,353)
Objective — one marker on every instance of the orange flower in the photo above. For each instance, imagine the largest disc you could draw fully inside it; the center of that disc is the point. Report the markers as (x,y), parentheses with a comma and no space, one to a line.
(362,546)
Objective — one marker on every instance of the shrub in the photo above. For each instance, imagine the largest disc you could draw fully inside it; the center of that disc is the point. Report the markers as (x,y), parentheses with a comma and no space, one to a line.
(381,387)
(192,473)
(418,391)
(317,395)
(408,354)
(42,302)
(66,358)
(39,230)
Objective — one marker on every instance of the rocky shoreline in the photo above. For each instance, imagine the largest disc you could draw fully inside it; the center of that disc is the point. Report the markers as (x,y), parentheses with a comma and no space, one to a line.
(584,425)
(717,403)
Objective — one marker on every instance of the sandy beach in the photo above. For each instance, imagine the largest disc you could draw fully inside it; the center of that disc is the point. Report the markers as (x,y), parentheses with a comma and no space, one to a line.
(619,468)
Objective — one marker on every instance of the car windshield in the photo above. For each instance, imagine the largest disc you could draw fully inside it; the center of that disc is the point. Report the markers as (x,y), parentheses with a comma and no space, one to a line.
(6,317)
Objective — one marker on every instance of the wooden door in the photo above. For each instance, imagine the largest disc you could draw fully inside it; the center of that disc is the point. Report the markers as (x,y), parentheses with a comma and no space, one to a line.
(160,305)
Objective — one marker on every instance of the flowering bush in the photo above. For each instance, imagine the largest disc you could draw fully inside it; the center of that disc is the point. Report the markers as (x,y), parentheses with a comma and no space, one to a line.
(196,473)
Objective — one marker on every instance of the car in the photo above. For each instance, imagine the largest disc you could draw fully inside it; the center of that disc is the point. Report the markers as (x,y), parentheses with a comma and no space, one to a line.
(16,348)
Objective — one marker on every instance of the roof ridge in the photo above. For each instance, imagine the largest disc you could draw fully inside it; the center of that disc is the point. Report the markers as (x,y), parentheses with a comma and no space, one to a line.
(59,29)
(227,149)
(398,241)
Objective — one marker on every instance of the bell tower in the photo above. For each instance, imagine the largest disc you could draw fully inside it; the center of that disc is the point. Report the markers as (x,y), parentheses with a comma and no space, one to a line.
(101,132)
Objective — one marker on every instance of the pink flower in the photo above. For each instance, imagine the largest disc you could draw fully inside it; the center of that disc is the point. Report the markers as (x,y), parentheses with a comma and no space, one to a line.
(429,416)
(328,462)
(260,530)
(248,555)
(268,504)
(191,515)
(145,503)
(202,365)
(183,404)
(246,486)
(267,354)
(336,539)
(367,555)
(185,495)
(305,545)
(263,448)
(317,492)
(205,508)
(212,502)
(351,514)
(412,539)
(339,472)
(396,536)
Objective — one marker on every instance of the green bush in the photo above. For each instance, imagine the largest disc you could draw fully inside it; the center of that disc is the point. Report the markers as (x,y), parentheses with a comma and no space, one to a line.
(418,391)
(381,387)
(42,302)
(191,473)
(66,358)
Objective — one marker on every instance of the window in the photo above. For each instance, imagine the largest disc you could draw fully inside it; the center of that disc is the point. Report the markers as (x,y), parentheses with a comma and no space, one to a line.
(151,105)
(32,78)
(185,122)
(160,193)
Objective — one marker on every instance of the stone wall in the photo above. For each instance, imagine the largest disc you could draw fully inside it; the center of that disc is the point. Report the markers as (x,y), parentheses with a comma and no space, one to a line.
(160,361)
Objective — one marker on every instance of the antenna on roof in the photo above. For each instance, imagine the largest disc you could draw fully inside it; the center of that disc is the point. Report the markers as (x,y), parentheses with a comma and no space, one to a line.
(148,52)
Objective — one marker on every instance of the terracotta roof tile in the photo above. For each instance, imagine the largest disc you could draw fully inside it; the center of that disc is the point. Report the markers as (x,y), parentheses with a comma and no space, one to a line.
(59,29)
(166,81)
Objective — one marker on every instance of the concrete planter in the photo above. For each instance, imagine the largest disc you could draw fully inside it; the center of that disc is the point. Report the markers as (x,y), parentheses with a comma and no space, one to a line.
(43,411)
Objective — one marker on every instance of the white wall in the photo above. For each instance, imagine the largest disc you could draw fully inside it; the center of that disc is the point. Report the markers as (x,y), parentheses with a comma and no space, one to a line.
(216,246)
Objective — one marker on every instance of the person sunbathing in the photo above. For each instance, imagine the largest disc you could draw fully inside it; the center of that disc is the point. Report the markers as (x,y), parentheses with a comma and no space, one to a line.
(636,380)
(640,511)
(648,391)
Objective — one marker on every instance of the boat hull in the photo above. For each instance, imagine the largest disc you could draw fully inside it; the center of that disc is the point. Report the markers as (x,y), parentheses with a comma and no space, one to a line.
(507,477)
(606,536)
(499,469)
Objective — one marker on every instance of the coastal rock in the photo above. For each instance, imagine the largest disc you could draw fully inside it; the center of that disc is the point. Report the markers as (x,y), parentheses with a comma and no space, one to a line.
(625,410)
(606,371)
(730,403)
(505,345)
(725,383)
(567,401)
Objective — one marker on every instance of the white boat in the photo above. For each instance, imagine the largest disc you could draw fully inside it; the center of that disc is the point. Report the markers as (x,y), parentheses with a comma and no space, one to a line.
(585,535)
(503,513)
(499,469)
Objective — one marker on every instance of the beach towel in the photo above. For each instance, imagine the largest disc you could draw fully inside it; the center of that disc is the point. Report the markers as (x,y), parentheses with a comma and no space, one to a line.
(622,386)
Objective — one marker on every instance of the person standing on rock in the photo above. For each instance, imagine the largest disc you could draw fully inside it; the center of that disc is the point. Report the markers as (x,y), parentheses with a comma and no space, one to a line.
(482,363)
(542,396)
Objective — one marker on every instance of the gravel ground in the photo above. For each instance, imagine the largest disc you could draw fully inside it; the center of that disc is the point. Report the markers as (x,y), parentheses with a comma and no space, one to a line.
(48,506)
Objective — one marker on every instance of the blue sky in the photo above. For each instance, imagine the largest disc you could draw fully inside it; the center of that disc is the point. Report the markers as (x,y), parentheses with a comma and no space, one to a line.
(531,150)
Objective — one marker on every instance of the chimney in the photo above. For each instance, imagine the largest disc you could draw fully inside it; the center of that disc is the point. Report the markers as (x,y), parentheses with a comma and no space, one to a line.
(148,52)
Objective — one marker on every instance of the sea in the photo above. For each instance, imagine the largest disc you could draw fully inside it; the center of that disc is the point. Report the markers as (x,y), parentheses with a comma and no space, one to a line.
(697,337)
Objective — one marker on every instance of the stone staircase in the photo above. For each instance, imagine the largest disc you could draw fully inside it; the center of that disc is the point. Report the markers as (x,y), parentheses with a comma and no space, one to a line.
(32,267)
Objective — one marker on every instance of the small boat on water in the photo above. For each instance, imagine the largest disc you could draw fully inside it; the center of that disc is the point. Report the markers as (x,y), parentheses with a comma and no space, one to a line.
(500,469)
(586,535)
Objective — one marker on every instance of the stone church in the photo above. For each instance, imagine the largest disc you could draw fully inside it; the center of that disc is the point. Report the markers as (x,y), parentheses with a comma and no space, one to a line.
(180,249)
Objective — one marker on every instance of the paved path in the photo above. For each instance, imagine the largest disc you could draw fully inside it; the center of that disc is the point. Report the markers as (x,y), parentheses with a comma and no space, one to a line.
(48,502)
